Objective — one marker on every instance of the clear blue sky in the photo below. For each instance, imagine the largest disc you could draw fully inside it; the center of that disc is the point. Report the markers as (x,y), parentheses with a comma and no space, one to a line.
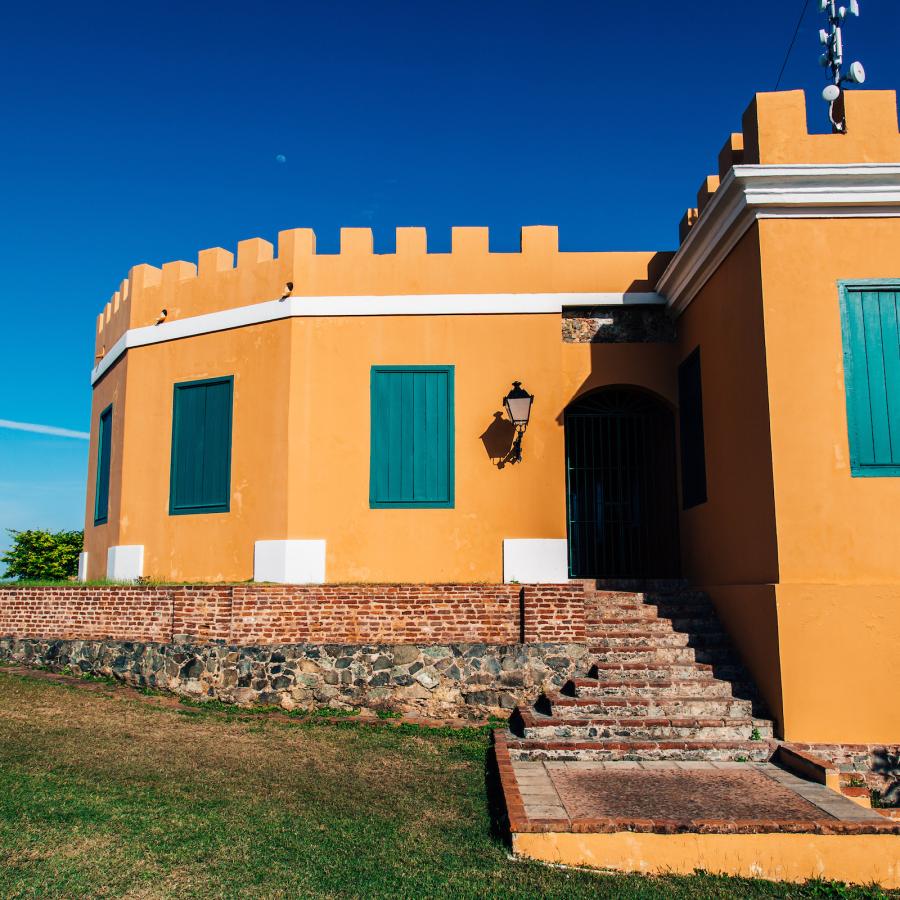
(144,133)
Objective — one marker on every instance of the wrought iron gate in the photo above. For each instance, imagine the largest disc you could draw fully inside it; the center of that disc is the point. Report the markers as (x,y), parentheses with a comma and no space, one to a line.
(620,477)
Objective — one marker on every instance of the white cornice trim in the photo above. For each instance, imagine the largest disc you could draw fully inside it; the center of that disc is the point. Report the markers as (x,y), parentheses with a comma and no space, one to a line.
(392,305)
(753,192)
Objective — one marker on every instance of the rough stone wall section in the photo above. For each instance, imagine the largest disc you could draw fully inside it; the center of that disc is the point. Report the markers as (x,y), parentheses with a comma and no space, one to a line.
(617,325)
(294,614)
(127,613)
(438,680)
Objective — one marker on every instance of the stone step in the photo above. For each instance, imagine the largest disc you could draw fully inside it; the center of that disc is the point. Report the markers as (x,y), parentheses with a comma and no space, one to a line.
(603,639)
(658,687)
(648,597)
(538,726)
(668,655)
(638,585)
(648,611)
(647,671)
(624,623)
(647,751)
(555,703)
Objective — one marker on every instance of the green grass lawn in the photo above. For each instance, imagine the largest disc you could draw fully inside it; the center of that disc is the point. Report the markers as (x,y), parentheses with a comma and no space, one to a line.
(105,794)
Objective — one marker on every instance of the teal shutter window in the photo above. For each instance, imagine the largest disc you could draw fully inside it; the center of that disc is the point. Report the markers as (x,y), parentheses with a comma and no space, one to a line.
(104,454)
(200,480)
(412,439)
(869,315)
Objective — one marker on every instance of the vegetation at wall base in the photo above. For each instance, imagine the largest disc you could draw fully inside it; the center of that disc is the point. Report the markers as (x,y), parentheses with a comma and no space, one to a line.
(105,794)
(38,554)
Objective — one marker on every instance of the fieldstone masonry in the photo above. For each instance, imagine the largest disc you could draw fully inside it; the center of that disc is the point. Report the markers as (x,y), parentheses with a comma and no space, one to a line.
(440,680)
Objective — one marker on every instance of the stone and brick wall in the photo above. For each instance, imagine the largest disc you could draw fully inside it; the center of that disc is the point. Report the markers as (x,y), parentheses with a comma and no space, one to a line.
(276,614)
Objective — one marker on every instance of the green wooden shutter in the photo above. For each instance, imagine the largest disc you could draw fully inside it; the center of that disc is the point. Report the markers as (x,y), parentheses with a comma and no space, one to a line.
(104,454)
(872,378)
(412,437)
(201,447)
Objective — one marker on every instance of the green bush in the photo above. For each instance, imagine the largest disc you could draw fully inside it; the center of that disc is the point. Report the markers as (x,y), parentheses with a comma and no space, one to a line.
(38,554)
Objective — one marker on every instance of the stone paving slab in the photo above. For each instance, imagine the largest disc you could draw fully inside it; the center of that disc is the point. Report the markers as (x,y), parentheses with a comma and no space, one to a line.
(579,795)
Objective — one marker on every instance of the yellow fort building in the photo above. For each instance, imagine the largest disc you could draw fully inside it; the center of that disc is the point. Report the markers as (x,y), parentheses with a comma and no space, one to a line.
(727,414)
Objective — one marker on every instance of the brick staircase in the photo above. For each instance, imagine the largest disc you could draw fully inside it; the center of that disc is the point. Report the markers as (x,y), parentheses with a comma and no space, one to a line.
(663,683)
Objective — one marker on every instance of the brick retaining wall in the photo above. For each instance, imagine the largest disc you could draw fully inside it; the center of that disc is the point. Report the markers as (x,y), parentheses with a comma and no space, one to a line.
(291,614)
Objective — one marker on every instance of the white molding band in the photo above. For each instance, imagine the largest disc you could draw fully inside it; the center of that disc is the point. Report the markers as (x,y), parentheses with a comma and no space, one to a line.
(535,560)
(388,305)
(289,562)
(752,192)
(125,562)
(82,566)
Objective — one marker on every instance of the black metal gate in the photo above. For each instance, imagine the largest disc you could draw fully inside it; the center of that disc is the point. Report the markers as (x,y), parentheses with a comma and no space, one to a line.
(620,477)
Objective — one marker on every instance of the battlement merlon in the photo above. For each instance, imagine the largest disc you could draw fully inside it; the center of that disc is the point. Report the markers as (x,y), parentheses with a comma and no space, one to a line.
(775,132)
(216,283)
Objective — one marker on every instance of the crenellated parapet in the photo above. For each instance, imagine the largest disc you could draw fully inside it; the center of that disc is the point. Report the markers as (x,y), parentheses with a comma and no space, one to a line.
(219,282)
(775,133)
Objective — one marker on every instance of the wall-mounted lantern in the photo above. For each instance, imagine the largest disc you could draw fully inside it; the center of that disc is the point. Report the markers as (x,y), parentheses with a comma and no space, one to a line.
(518,407)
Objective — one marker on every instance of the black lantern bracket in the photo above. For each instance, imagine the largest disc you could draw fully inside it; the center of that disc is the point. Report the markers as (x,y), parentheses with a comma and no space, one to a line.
(518,407)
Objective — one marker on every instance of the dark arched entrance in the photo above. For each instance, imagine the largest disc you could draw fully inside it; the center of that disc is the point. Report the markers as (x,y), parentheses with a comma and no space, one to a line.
(620,478)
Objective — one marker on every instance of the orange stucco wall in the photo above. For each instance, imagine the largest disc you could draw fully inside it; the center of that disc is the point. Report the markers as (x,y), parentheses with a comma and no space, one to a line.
(838,536)
(300,447)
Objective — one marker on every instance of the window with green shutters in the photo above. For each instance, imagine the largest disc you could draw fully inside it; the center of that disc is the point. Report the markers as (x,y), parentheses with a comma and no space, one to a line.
(104,454)
(200,480)
(869,316)
(412,439)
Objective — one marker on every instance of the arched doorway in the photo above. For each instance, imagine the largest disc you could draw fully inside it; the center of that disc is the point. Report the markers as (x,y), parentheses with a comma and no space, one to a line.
(620,480)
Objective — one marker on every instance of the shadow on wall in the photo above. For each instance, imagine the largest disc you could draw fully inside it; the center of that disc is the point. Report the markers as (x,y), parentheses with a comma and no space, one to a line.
(498,439)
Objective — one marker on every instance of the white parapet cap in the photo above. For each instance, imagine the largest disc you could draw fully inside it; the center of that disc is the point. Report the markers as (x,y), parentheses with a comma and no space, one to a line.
(380,305)
(752,192)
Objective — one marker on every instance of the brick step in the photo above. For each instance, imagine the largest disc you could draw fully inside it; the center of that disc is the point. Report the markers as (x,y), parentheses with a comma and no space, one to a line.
(538,726)
(639,585)
(623,623)
(687,616)
(603,639)
(658,687)
(647,671)
(675,707)
(615,597)
(617,751)
(682,656)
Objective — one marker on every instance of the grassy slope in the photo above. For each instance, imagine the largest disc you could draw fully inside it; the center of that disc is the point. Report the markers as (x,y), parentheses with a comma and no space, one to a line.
(102,795)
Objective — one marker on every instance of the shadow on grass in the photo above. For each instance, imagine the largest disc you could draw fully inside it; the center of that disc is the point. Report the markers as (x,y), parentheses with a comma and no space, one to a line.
(496,802)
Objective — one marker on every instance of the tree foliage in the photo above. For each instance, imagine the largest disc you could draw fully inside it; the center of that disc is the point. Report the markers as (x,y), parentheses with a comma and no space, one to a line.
(38,554)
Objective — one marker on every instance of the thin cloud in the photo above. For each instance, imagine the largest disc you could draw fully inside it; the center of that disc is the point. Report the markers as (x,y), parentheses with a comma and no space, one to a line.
(44,429)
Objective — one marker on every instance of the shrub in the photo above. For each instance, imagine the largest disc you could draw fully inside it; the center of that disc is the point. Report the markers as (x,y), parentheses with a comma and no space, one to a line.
(40,555)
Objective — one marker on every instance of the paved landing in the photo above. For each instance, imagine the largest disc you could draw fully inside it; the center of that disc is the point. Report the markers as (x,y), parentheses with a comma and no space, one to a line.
(680,792)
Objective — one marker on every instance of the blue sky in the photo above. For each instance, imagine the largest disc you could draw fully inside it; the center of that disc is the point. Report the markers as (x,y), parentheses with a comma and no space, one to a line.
(146,133)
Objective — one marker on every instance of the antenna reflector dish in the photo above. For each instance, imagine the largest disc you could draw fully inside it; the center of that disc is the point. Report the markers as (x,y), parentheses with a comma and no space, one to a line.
(831,93)
(857,73)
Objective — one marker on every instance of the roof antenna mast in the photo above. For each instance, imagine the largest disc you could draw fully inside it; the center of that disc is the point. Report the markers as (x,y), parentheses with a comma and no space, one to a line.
(833,58)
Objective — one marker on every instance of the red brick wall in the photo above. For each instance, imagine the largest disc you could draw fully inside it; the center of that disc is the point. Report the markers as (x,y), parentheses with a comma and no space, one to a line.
(369,614)
(267,614)
(123,613)
(202,614)
(553,613)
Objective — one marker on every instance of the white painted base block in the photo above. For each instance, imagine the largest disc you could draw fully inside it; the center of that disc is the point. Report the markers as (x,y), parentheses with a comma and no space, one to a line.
(82,566)
(535,560)
(289,562)
(125,562)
